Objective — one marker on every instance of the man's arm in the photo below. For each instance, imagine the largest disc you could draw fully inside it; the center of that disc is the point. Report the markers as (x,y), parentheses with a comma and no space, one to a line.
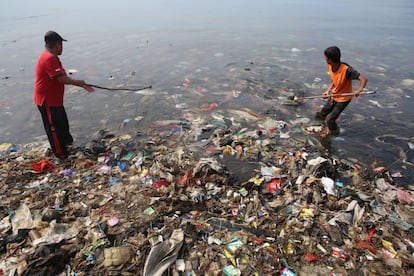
(81,83)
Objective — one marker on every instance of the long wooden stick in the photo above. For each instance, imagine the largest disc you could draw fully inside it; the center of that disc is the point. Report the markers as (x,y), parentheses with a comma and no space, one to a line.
(120,88)
(320,96)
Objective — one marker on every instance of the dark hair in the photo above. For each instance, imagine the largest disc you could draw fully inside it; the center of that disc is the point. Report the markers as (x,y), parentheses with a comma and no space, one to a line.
(51,44)
(333,53)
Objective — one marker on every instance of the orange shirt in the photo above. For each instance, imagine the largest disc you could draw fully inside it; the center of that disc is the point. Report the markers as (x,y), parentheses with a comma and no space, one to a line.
(342,81)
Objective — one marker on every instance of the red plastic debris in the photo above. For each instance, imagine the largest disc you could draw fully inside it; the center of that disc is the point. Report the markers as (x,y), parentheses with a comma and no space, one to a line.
(339,253)
(371,234)
(309,257)
(274,185)
(161,183)
(258,241)
(366,245)
(235,210)
(211,107)
(185,180)
(43,166)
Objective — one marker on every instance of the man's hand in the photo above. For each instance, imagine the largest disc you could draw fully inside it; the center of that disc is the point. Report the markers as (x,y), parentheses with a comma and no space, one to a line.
(88,88)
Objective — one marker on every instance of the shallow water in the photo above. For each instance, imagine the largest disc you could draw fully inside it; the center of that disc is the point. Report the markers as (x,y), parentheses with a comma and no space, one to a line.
(237,54)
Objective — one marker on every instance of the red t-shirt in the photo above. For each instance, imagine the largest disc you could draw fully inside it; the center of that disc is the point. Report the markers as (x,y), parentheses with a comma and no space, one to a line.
(46,87)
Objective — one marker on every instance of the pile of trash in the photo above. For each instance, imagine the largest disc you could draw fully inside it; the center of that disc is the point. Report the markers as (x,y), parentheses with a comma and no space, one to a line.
(177,200)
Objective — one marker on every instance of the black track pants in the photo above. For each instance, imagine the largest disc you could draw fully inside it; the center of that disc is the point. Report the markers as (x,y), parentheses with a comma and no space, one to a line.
(331,112)
(56,124)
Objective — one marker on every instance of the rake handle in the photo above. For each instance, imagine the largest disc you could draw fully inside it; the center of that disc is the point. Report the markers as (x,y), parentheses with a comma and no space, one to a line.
(345,94)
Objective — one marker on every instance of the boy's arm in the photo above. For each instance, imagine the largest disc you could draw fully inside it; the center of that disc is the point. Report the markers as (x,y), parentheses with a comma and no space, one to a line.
(328,90)
(362,83)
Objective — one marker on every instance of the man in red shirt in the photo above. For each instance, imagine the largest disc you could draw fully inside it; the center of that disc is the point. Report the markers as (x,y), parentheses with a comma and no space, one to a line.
(341,75)
(49,89)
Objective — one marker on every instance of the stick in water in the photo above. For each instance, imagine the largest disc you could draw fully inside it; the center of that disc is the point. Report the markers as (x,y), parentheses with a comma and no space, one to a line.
(121,88)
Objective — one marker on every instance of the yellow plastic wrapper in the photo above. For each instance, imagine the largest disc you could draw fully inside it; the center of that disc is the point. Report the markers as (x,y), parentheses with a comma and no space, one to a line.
(125,137)
(257,181)
(390,247)
(227,150)
(229,256)
(5,146)
(307,213)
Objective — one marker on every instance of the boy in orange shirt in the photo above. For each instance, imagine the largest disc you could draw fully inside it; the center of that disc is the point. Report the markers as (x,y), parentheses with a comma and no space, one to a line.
(341,75)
